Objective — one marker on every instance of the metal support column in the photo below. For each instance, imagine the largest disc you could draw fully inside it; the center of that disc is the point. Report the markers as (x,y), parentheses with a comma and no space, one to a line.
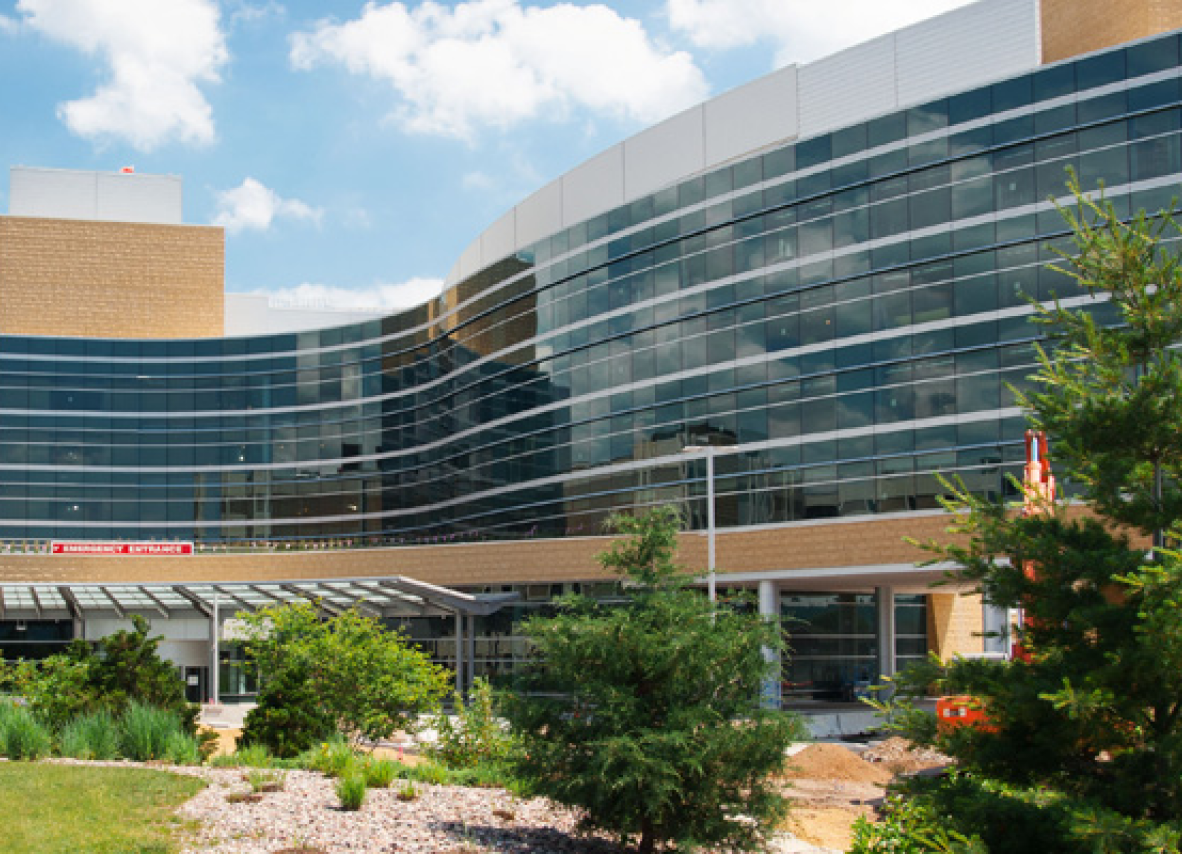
(459,655)
(769,608)
(214,638)
(471,639)
(884,599)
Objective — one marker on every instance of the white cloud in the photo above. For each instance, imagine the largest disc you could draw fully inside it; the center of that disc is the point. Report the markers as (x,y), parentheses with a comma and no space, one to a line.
(156,53)
(493,63)
(7,25)
(244,12)
(380,297)
(803,30)
(252,205)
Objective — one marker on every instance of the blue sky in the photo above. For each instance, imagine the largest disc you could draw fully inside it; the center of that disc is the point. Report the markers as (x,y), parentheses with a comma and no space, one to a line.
(353,150)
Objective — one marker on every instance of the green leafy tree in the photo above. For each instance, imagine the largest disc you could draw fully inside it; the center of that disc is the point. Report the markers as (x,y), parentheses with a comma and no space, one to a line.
(1095,711)
(369,680)
(645,714)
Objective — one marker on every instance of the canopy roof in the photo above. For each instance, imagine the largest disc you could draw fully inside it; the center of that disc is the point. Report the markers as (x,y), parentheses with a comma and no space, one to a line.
(386,596)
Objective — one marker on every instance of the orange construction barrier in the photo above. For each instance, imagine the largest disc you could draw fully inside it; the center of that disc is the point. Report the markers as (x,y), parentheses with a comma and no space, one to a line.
(961,710)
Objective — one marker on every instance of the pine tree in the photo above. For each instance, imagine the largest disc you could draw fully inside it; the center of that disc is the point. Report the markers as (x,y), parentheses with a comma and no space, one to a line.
(645,713)
(1094,711)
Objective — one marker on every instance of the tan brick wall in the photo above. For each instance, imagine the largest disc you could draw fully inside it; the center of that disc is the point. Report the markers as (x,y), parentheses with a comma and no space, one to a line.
(955,624)
(787,548)
(1073,27)
(110,280)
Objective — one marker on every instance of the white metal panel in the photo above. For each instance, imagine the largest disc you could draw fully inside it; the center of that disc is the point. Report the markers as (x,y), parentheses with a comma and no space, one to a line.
(540,215)
(752,117)
(252,314)
(499,239)
(664,153)
(965,48)
(138,198)
(470,261)
(848,87)
(594,186)
(110,196)
(51,193)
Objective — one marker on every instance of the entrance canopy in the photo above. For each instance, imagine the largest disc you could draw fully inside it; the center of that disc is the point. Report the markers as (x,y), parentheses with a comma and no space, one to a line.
(383,597)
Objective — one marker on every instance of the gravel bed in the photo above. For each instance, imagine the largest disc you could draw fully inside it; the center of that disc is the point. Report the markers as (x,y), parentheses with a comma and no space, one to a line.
(305,814)
(305,817)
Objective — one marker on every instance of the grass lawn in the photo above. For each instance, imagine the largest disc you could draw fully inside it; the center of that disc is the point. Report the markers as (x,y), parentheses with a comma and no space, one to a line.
(54,809)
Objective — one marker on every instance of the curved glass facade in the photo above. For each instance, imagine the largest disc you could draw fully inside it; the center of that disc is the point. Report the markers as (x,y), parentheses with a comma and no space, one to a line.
(843,314)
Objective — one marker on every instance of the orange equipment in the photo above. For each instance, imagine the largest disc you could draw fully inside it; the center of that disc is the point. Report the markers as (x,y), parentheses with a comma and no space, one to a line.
(960,710)
(1038,485)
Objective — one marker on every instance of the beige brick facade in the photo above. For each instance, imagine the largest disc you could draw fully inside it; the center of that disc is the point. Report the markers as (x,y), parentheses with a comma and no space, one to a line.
(781,549)
(109,279)
(955,624)
(1074,27)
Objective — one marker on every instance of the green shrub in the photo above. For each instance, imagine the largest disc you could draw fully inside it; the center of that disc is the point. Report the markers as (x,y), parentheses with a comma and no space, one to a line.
(333,758)
(910,826)
(253,756)
(23,736)
(486,775)
(430,772)
(93,736)
(145,732)
(408,792)
(380,773)
(182,749)
(476,735)
(351,791)
(289,718)
(121,668)
(265,781)
(968,814)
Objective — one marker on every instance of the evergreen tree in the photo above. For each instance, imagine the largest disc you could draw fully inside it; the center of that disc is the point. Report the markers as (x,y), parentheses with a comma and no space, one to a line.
(1093,711)
(645,713)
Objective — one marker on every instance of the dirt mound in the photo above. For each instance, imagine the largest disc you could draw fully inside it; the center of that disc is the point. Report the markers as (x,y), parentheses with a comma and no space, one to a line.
(833,762)
(902,757)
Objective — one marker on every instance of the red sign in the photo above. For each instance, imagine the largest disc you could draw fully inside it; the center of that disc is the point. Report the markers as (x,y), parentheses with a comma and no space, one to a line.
(83,548)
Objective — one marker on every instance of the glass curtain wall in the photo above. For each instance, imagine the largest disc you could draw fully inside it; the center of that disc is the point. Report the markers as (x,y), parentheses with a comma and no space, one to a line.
(846,314)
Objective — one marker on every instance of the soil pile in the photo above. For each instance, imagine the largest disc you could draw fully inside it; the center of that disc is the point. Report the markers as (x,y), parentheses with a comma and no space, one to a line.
(902,757)
(834,762)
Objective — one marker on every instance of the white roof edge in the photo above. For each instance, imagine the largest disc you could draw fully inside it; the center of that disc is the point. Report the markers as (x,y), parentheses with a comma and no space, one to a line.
(969,46)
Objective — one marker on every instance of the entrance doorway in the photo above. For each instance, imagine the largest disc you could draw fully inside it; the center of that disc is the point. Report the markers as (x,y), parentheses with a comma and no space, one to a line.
(196,684)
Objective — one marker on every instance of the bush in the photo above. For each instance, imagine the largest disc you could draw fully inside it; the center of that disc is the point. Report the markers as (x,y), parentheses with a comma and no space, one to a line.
(333,758)
(910,827)
(182,749)
(23,736)
(253,756)
(266,781)
(970,814)
(431,773)
(380,773)
(351,791)
(93,736)
(123,667)
(289,718)
(477,735)
(146,732)
(370,680)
